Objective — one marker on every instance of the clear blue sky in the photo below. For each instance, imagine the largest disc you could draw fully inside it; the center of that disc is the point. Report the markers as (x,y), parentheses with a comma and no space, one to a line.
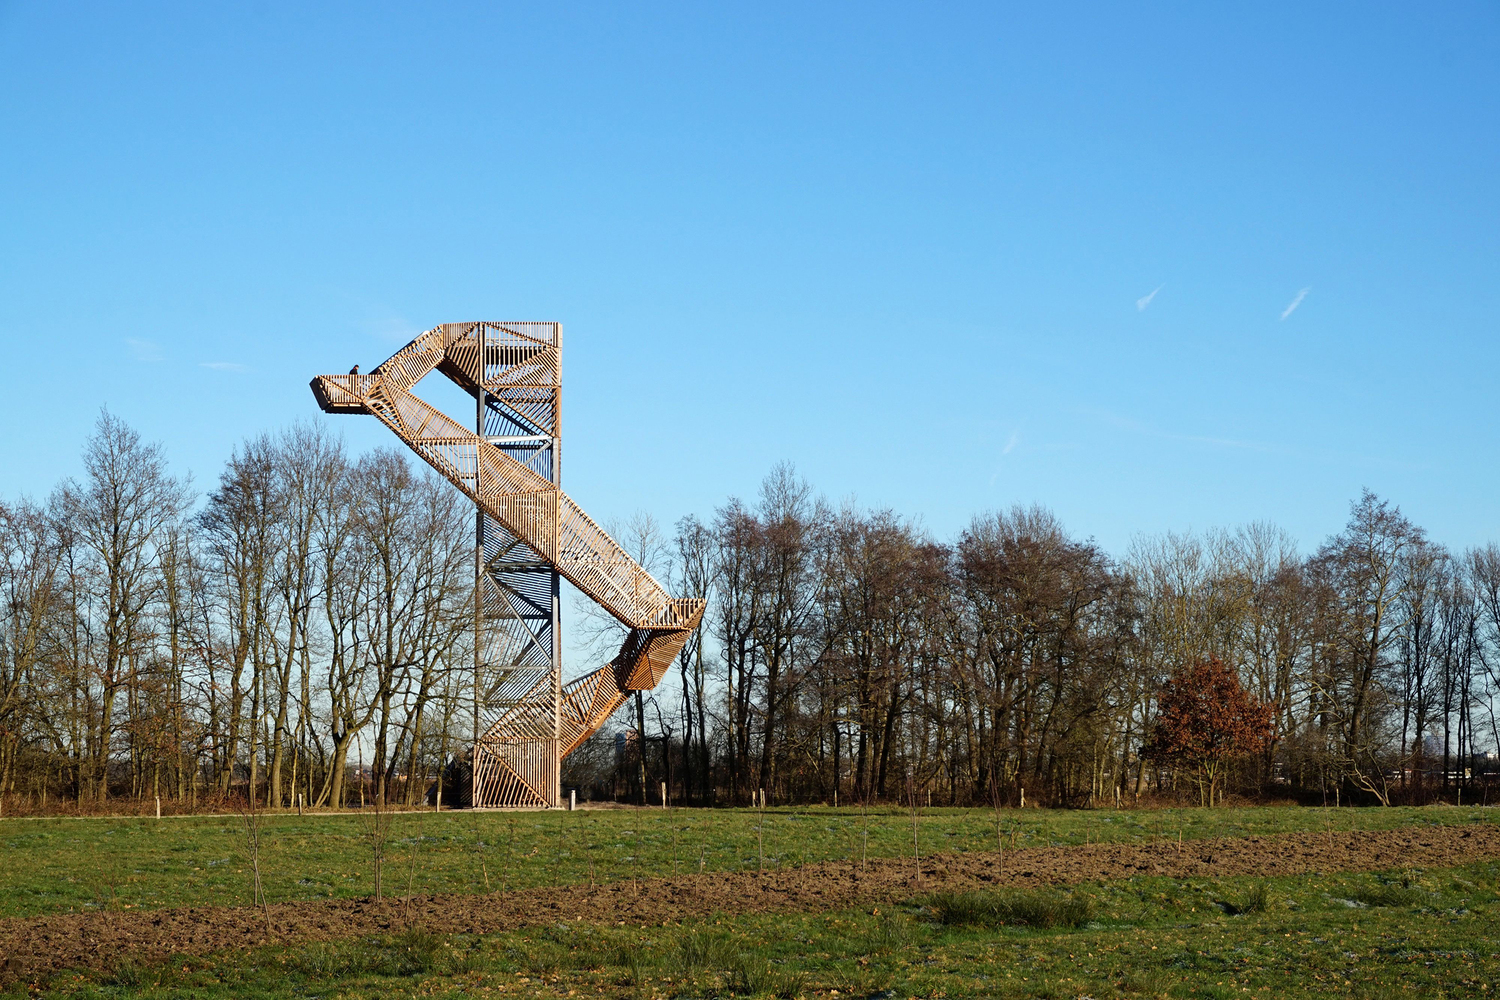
(910,248)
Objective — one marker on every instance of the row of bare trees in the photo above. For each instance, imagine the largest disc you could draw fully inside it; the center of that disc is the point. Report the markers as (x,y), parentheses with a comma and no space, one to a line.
(301,615)
(847,653)
(310,617)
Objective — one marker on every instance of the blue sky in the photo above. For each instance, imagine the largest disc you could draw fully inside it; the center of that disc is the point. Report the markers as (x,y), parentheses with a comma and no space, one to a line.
(911,248)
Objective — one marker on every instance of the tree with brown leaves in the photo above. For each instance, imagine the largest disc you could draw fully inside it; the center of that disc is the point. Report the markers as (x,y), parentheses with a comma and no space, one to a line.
(1204,720)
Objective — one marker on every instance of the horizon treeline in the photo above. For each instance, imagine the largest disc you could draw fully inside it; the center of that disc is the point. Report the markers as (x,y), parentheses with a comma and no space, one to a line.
(305,633)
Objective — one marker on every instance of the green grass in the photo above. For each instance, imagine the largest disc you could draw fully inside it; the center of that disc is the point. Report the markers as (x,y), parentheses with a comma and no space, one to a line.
(1309,936)
(61,865)
(1011,909)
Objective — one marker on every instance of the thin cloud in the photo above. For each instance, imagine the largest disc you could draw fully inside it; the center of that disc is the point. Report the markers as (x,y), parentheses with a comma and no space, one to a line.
(145,350)
(223,366)
(1145,300)
(1139,427)
(1295,303)
(1353,459)
(1010,445)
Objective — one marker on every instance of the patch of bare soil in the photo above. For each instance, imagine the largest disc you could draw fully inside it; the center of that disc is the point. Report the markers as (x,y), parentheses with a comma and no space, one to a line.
(33,947)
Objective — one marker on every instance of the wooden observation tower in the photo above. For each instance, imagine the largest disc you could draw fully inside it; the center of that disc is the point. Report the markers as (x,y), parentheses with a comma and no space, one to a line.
(529,536)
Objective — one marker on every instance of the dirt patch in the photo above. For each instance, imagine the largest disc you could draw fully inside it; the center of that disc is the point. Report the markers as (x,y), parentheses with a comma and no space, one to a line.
(33,947)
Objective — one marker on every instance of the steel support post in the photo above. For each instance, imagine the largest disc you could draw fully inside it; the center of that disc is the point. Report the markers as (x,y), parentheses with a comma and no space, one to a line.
(557,588)
(480,572)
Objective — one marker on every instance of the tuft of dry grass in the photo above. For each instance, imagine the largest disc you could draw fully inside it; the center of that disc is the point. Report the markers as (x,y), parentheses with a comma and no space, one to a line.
(1011,909)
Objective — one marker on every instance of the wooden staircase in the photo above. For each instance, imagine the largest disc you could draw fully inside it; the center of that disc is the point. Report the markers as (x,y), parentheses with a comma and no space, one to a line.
(517,756)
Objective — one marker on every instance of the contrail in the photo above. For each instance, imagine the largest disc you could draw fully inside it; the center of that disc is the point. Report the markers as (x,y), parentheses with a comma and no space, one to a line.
(1295,303)
(1144,301)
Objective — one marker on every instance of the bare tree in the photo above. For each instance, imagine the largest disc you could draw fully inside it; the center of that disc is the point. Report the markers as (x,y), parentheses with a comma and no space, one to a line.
(786,566)
(306,464)
(733,624)
(29,557)
(345,567)
(119,512)
(1483,565)
(240,522)
(694,579)
(1364,567)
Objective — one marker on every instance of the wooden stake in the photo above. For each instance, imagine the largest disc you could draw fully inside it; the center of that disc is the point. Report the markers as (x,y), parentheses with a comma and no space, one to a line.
(760,844)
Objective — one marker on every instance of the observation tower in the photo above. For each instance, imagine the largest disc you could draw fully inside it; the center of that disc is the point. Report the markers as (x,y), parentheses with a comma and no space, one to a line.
(529,536)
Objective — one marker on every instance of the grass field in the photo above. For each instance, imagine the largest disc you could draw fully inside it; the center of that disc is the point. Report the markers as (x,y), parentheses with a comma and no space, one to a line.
(61,865)
(1433,933)
(1409,933)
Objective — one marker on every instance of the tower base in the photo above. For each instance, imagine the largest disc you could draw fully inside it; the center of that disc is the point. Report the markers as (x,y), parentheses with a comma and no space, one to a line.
(516,773)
